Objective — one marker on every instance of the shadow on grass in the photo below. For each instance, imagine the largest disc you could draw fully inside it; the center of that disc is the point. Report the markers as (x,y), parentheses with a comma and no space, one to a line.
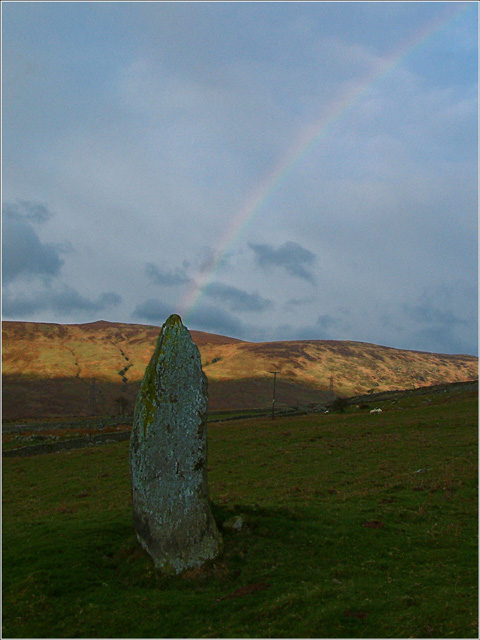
(288,572)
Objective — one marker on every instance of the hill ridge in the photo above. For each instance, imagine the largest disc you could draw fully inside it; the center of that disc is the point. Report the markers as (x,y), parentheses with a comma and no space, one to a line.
(221,337)
(83,369)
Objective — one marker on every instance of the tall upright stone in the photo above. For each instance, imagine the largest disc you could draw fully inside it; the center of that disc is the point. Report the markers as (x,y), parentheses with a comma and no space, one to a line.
(168,456)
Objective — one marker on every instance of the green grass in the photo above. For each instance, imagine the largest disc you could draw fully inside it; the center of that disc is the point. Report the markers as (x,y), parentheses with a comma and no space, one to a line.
(345,536)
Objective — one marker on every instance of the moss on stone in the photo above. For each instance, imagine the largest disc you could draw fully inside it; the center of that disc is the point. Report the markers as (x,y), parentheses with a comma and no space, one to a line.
(168,456)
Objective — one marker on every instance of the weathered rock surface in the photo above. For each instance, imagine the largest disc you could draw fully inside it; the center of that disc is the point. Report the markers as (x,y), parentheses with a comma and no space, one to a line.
(168,456)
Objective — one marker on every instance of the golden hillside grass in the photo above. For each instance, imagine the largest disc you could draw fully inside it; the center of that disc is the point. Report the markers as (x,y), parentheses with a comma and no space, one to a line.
(48,369)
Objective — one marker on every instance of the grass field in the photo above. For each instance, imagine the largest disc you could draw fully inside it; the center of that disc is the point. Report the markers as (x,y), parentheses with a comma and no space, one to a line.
(357,525)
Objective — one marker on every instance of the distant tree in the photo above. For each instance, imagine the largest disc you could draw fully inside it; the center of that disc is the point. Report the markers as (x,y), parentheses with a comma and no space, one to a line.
(123,404)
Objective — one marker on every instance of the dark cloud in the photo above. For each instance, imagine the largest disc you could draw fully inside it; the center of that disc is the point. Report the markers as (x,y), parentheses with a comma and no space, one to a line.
(153,310)
(214,320)
(441,339)
(66,301)
(237,299)
(108,299)
(444,318)
(204,318)
(327,327)
(327,322)
(166,277)
(428,313)
(334,327)
(291,256)
(26,209)
(439,328)
(23,251)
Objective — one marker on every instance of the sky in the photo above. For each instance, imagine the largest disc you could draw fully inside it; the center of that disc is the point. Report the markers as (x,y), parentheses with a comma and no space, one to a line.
(269,171)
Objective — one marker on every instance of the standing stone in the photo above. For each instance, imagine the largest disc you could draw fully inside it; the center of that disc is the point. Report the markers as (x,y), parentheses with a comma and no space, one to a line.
(168,456)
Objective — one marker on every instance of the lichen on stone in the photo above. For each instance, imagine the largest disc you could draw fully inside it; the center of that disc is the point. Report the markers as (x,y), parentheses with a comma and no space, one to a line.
(168,455)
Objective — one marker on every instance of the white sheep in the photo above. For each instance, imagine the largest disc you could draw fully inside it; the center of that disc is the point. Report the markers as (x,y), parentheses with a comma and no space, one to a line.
(377,410)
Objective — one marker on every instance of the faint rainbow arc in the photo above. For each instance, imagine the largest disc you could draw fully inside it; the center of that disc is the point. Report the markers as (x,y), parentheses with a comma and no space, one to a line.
(308,138)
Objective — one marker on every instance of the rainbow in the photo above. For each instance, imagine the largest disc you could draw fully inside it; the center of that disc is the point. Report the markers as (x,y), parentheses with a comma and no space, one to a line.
(305,142)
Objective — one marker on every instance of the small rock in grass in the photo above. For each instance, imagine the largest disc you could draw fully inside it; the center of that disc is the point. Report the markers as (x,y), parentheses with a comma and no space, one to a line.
(235,523)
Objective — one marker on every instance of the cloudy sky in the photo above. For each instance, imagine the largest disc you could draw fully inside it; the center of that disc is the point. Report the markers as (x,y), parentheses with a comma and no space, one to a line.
(270,171)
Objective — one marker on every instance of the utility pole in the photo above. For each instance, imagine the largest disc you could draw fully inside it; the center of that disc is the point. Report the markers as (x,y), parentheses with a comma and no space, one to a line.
(273,399)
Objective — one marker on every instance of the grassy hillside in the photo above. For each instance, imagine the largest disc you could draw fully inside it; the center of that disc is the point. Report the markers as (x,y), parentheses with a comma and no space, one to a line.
(357,525)
(59,370)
